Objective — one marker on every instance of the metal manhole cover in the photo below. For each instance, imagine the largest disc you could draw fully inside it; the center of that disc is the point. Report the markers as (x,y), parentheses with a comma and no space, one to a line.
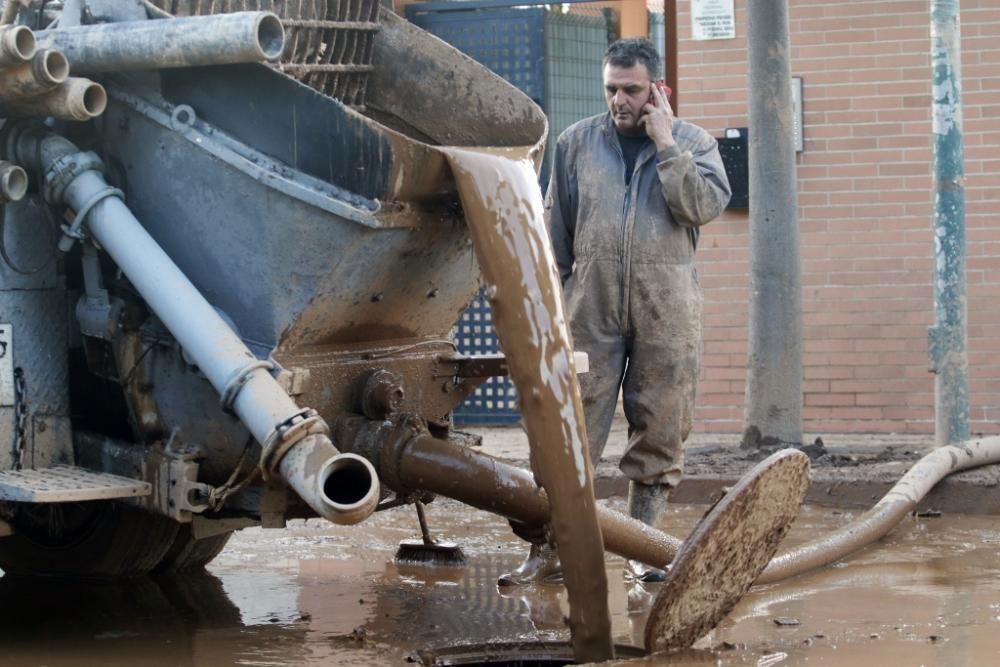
(727,551)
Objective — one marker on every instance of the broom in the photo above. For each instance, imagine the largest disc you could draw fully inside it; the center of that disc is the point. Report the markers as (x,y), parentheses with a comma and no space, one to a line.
(428,551)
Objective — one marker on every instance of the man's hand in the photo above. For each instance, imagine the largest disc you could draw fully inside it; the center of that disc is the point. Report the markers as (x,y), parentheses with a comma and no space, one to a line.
(658,120)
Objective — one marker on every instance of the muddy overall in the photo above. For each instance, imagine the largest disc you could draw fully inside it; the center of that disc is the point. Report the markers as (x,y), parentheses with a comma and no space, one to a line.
(625,250)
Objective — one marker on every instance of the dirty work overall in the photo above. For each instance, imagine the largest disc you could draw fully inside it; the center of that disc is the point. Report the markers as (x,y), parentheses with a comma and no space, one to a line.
(626,258)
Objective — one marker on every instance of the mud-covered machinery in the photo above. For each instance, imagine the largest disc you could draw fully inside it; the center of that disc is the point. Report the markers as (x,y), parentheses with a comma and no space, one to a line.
(231,261)
(232,246)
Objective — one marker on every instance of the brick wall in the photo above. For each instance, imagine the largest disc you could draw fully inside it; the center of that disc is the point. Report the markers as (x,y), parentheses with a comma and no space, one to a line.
(865,207)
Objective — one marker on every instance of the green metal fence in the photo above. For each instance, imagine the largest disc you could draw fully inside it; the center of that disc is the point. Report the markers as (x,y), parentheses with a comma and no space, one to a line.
(574,48)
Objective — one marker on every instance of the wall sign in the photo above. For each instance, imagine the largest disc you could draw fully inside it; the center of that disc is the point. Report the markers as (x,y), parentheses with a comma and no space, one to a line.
(712,19)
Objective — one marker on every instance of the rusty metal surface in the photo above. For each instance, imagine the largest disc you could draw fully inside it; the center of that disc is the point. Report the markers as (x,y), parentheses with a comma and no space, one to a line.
(727,550)
(337,376)
(64,484)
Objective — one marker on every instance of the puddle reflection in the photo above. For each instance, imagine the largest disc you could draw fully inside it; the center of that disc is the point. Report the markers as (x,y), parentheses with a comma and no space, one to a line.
(926,595)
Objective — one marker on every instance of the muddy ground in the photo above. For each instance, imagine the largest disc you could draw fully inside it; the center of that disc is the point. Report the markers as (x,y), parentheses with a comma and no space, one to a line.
(849,471)
(317,594)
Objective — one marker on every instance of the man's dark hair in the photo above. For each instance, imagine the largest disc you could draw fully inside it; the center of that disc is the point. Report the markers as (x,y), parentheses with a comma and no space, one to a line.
(631,50)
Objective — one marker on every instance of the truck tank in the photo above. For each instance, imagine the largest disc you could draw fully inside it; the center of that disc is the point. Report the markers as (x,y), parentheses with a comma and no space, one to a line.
(233,247)
(291,204)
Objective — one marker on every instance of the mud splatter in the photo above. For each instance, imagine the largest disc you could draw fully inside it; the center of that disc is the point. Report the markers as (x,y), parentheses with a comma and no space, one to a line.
(503,208)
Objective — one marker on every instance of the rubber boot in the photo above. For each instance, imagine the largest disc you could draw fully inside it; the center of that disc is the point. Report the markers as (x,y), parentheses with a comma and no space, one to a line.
(541,565)
(647,503)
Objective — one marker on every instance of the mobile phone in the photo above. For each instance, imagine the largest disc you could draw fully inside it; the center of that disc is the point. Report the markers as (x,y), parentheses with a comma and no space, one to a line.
(664,88)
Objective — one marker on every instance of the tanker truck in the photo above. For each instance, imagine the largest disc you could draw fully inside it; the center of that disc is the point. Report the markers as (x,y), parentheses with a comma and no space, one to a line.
(226,240)
(234,238)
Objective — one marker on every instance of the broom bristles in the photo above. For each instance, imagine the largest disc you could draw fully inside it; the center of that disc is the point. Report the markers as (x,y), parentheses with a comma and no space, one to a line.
(418,552)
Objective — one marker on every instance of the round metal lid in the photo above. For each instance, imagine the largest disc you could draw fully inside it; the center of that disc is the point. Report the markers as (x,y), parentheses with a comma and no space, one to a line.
(727,551)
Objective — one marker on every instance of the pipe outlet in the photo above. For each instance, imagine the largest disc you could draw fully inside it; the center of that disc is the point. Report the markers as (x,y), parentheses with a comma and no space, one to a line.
(342,488)
(17,45)
(13,182)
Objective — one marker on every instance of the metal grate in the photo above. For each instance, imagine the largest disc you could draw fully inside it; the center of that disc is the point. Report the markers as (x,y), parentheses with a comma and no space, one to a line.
(511,42)
(328,43)
(64,484)
(574,57)
(495,401)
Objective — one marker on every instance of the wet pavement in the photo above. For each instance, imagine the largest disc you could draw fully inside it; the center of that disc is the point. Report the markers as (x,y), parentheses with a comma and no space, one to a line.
(316,594)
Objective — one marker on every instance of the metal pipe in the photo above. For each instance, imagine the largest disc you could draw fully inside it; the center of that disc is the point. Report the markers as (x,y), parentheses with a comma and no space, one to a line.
(73,99)
(46,70)
(948,338)
(13,182)
(342,488)
(245,381)
(17,44)
(10,9)
(459,472)
(670,53)
(218,39)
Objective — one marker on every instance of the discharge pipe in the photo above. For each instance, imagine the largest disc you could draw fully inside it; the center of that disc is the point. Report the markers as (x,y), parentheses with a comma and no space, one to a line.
(75,98)
(17,44)
(410,460)
(13,182)
(219,39)
(46,70)
(341,488)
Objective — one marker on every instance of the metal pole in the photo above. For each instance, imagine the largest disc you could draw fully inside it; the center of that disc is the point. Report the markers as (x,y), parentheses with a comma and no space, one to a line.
(773,413)
(670,53)
(219,39)
(947,339)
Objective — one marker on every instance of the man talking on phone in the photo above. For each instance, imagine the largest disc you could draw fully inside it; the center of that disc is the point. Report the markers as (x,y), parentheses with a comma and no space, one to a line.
(630,189)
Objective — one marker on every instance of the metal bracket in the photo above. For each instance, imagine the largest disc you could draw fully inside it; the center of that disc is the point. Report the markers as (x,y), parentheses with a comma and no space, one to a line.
(73,232)
(64,170)
(295,380)
(96,313)
(180,489)
(285,436)
(237,380)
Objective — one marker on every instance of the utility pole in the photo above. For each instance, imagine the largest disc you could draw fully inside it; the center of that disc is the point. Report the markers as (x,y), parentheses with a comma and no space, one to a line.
(670,73)
(947,339)
(773,413)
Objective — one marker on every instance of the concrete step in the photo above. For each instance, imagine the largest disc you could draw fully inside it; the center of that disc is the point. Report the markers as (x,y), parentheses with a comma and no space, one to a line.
(66,484)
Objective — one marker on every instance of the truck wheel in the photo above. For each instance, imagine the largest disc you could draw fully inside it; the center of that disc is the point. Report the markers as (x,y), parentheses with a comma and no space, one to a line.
(96,538)
(188,553)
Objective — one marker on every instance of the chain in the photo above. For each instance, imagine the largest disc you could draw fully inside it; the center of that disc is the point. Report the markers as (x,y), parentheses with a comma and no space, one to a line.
(20,418)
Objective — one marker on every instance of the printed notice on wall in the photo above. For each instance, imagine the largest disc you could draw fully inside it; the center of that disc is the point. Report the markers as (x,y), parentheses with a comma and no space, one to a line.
(712,19)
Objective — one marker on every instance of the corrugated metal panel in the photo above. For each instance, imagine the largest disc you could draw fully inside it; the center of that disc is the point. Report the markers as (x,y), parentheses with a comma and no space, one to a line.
(574,51)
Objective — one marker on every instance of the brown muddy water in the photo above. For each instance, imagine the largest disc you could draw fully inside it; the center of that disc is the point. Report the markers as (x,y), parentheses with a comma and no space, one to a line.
(503,209)
(318,594)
